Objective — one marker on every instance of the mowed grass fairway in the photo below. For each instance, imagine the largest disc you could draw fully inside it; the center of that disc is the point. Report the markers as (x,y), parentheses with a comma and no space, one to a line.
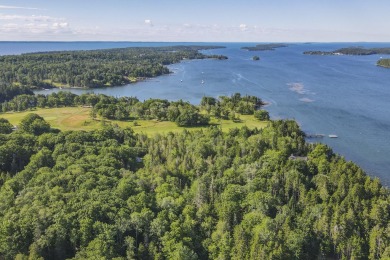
(64,118)
(78,118)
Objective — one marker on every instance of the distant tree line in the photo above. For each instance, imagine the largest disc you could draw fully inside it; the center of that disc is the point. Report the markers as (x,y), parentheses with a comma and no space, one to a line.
(351,51)
(113,194)
(363,51)
(90,69)
(130,108)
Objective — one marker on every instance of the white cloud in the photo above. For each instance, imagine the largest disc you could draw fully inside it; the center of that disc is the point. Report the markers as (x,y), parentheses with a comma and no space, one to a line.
(148,22)
(33,27)
(17,7)
(9,27)
(32,18)
(60,25)
(243,27)
(52,28)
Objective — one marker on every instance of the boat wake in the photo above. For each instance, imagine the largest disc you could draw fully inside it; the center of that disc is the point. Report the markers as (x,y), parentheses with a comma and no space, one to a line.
(307,100)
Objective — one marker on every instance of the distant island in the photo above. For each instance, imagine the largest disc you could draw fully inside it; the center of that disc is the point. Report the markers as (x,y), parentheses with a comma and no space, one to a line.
(265,47)
(351,51)
(217,57)
(384,63)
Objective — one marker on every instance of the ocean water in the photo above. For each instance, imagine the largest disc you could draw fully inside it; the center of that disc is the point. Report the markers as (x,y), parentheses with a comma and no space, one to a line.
(348,96)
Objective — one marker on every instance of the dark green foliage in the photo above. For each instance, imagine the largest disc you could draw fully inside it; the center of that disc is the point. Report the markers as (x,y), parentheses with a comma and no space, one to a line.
(351,51)
(190,117)
(225,107)
(362,51)
(265,47)
(92,69)
(15,151)
(262,115)
(193,195)
(218,57)
(318,53)
(8,91)
(384,63)
(5,126)
(208,101)
(34,124)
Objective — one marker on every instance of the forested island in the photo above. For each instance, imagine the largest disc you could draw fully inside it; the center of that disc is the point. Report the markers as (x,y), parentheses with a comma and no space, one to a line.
(384,63)
(204,194)
(90,69)
(265,47)
(351,51)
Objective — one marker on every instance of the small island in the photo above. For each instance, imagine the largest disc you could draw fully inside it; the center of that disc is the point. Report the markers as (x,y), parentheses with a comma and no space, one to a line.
(265,47)
(255,58)
(351,51)
(384,63)
(217,57)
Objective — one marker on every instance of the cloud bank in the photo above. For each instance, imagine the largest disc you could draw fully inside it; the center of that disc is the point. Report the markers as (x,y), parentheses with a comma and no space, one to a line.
(17,7)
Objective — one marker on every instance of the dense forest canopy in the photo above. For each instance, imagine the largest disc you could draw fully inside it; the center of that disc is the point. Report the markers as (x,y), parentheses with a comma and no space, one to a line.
(8,91)
(91,69)
(351,51)
(265,47)
(244,194)
(384,63)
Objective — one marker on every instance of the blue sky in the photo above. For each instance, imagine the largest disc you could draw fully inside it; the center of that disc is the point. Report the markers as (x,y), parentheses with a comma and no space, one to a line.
(201,20)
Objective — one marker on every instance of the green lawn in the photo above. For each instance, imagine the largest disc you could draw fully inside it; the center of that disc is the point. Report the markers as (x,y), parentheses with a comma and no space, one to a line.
(77,118)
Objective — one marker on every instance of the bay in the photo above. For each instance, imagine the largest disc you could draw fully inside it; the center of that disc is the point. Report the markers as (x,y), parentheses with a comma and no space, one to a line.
(343,95)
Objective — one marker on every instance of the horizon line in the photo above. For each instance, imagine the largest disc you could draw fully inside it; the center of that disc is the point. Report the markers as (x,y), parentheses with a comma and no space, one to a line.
(194,41)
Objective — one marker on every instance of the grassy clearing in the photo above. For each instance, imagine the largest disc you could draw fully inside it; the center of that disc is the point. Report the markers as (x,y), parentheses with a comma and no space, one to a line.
(65,118)
(77,118)
(56,84)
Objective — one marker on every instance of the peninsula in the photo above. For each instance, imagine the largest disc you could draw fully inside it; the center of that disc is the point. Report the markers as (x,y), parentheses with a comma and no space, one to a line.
(90,69)
(351,51)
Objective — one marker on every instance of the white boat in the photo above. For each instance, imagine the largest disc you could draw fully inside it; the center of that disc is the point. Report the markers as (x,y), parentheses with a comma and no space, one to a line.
(202,81)
(333,136)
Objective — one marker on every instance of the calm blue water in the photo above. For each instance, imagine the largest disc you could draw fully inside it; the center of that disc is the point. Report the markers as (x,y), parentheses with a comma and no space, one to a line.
(344,95)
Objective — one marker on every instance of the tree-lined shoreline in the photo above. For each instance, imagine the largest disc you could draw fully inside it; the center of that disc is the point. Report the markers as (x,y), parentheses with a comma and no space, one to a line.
(90,69)
(351,51)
